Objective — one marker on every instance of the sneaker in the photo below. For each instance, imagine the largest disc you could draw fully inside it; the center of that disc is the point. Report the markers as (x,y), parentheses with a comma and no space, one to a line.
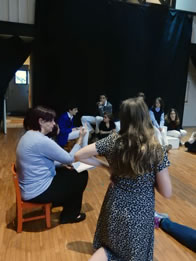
(161,215)
(157,221)
(158,217)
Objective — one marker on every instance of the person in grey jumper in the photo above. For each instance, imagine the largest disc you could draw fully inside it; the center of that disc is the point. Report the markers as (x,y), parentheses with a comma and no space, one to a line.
(102,106)
(43,167)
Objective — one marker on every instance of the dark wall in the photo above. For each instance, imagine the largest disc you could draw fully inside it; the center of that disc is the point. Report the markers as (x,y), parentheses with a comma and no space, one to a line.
(84,48)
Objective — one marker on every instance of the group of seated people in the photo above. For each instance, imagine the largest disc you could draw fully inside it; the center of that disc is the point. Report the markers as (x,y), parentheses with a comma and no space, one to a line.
(103,124)
(46,174)
(169,125)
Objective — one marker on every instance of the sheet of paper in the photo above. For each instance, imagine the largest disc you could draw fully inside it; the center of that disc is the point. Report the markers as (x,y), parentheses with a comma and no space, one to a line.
(79,166)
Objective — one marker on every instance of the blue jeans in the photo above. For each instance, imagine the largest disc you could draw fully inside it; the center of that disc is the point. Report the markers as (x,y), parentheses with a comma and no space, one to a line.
(185,235)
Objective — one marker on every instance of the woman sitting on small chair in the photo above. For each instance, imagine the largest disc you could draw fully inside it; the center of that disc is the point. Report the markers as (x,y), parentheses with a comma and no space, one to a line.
(39,163)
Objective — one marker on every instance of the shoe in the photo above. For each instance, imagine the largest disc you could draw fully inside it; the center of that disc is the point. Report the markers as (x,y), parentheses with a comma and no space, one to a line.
(79,218)
(157,222)
(158,217)
(161,215)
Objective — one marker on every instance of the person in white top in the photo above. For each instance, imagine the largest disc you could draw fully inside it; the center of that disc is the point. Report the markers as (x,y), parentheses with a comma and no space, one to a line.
(103,106)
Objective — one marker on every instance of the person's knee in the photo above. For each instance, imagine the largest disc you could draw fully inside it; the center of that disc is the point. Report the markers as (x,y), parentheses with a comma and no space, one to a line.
(83,119)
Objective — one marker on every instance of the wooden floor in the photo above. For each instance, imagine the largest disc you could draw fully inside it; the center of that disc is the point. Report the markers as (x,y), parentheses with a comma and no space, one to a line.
(73,242)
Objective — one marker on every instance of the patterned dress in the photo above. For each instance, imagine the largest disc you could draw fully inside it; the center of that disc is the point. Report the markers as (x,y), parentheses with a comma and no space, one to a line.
(125,226)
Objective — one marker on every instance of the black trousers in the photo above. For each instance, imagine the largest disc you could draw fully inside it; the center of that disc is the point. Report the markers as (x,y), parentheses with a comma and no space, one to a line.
(190,147)
(65,190)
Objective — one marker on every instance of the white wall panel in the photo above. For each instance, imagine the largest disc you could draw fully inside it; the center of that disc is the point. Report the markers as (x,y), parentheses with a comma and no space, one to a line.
(19,11)
(187,5)
(189,118)
(13,11)
(4,10)
(31,11)
(23,12)
(193,40)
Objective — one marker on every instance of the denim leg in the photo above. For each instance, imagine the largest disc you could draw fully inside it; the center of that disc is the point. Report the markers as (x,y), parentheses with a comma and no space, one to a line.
(185,235)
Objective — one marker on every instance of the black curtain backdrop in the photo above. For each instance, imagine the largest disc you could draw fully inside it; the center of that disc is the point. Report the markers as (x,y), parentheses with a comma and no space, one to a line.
(13,53)
(84,48)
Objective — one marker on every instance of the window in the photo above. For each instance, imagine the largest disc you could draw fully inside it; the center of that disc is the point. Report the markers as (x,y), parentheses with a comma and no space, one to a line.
(21,77)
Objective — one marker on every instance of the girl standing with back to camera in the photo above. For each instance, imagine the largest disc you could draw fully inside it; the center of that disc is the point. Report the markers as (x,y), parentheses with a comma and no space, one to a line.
(138,164)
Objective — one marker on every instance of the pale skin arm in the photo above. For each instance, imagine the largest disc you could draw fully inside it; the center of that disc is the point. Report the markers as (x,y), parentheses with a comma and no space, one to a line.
(99,255)
(106,132)
(163,183)
(87,155)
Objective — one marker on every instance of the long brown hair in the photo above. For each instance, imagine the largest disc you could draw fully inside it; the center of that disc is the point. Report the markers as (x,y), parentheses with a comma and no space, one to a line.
(168,117)
(136,149)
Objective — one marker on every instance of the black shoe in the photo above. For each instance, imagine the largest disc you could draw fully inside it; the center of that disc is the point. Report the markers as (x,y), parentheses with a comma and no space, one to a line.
(79,218)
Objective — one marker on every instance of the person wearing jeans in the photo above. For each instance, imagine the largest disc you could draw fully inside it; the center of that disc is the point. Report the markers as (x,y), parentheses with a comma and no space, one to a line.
(102,106)
(183,234)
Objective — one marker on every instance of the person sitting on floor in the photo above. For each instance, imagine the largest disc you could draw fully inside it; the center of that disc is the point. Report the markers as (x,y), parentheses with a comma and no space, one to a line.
(157,117)
(185,235)
(67,129)
(174,129)
(103,106)
(107,126)
(191,143)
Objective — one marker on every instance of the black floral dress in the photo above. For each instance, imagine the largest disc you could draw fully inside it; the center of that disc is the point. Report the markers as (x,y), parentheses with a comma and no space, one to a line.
(125,226)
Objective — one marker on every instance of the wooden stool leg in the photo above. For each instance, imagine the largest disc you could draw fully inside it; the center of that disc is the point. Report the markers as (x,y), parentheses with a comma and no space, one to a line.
(47,212)
(19,219)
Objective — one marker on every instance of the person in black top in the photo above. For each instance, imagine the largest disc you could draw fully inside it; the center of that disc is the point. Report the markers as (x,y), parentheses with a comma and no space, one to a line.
(103,105)
(174,128)
(107,126)
(191,143)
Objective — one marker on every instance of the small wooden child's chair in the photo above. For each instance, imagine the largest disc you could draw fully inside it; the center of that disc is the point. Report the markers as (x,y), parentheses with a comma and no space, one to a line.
(20,205)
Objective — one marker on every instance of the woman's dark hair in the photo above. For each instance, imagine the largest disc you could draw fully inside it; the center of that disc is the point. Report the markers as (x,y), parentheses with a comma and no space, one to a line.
(103,94)
(71,105)
(141,94)
(31,120)
(160,100)
(109,115)
(168,117)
